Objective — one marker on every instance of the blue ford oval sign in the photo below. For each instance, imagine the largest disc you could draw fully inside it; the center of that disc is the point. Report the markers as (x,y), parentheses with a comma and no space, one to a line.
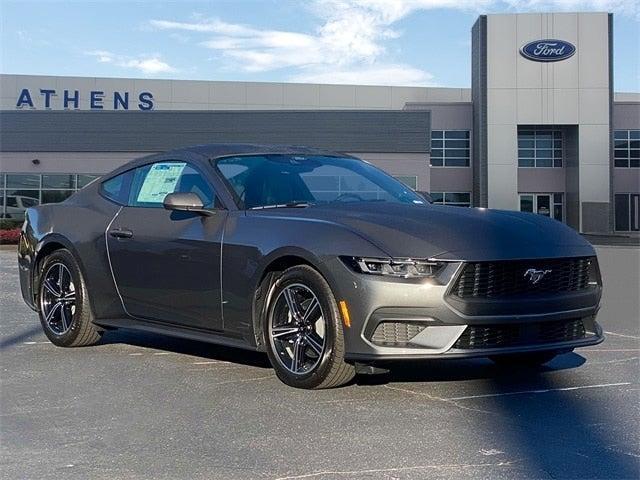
(548,50)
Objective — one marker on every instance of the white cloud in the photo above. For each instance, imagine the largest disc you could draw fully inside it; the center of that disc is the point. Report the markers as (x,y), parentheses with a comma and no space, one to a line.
(148,65)
(629,8)
(346,48)
(387,74)
(349,45)
(394,10)
(180,37)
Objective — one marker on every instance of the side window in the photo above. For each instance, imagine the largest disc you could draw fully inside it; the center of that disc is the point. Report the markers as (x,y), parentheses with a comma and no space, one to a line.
(152,183)
(117,188)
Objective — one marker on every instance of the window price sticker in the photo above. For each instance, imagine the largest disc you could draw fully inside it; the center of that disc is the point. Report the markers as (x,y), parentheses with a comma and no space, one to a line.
(161,180)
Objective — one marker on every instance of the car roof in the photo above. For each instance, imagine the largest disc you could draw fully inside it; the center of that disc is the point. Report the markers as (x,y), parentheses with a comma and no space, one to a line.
(216,150)
(203,153)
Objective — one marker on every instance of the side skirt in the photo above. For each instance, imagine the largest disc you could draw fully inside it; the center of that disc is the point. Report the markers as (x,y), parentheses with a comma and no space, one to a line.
(174,331)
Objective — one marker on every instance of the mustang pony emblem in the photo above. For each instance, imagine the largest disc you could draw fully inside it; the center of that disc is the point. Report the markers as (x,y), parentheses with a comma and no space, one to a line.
(534,275)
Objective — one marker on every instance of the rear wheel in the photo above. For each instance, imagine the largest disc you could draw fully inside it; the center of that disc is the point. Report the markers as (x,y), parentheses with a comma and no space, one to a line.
(63,302)
(533,359)
(303,329)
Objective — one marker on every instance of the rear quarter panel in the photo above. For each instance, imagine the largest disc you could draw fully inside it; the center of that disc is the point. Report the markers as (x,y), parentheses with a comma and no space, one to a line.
(79,225)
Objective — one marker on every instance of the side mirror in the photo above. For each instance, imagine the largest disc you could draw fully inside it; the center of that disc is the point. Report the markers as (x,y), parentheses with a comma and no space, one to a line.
(426,196)
(185,202)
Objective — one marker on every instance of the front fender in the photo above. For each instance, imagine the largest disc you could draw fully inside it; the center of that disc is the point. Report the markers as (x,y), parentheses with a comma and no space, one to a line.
(249,254)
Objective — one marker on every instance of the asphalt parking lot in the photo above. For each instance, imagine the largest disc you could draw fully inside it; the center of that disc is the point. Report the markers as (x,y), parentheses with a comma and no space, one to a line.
(145,406)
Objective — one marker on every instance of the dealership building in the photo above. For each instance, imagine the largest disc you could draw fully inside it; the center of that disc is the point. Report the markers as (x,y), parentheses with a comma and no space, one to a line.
(540,130)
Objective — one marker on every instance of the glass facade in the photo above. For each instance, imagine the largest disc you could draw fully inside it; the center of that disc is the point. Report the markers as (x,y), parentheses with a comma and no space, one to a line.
(450,148)
(547,204)
(627,212)
(458,199)
(539,148)
(626,148)
(19,191)
(409,181)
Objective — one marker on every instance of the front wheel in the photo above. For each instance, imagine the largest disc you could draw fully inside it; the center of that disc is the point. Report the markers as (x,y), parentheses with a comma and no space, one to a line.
(534,359)
(303,329)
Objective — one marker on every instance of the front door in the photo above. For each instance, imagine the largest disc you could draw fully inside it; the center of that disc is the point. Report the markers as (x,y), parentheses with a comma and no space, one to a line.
(546,204)
(166,264)
(634,210)
(543,206)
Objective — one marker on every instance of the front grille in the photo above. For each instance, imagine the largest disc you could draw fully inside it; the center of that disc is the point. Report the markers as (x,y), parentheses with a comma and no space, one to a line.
(509,278)
(395,333)
(497,336)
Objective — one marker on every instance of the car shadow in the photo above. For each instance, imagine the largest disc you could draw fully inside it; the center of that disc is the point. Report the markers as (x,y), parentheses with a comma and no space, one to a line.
(549,429)
(20,337)
(186,347)
(460,369)
(562,433)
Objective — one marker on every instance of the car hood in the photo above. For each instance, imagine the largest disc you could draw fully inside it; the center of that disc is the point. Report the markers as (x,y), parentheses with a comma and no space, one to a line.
(454,233)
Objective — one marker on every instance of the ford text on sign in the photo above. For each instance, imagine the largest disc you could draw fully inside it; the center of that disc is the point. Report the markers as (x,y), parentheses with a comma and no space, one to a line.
(548,50)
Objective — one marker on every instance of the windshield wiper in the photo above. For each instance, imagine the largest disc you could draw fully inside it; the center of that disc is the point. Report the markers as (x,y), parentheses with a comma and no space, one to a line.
(283,205)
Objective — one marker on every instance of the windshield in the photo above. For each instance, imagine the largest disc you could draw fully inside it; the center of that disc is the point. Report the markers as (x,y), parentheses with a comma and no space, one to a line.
(293,180)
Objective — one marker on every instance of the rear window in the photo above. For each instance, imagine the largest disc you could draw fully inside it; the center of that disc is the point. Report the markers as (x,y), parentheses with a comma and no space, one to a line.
(117,188)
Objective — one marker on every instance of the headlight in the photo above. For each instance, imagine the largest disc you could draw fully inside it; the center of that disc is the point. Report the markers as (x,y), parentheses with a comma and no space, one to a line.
(394,267)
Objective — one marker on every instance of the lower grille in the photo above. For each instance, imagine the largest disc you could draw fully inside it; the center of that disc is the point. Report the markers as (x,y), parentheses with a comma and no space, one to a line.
(395,333)
(497,336)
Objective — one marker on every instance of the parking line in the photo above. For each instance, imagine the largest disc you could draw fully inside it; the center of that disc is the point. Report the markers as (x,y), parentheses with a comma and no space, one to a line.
(336,473)
(620,360)
(609,350)
(621,335)
(546,390)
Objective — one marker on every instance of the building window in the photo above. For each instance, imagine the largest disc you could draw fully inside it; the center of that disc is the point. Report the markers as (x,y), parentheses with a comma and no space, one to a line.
(627,206)
(540,148)
(19,191)
(546,204)
(626,148)
(450,148)
(409,181)
(458,199)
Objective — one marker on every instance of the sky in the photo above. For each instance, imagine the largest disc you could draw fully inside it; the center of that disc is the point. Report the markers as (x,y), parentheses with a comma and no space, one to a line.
(375,42)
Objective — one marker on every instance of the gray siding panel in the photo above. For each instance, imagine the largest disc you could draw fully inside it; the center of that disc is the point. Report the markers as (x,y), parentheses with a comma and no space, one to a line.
(626,116)
(354,131)
(611,163)
(446,116)
(479,97)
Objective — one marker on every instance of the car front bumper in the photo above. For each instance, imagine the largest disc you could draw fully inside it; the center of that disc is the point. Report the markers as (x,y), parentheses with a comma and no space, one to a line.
(395,319)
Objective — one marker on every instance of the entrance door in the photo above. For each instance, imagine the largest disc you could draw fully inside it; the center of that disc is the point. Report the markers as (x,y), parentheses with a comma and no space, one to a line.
(627,212)
(543,205)
(634,201)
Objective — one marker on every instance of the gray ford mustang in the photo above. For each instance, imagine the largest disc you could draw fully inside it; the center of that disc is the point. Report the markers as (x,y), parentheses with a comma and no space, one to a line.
(320,259)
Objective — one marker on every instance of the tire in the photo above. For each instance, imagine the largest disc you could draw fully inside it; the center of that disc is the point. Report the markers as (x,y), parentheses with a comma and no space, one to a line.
(70,324)
(316,367)
(534,359)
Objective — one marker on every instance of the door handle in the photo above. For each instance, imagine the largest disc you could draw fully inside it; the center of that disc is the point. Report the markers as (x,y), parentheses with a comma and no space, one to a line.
(121,233)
